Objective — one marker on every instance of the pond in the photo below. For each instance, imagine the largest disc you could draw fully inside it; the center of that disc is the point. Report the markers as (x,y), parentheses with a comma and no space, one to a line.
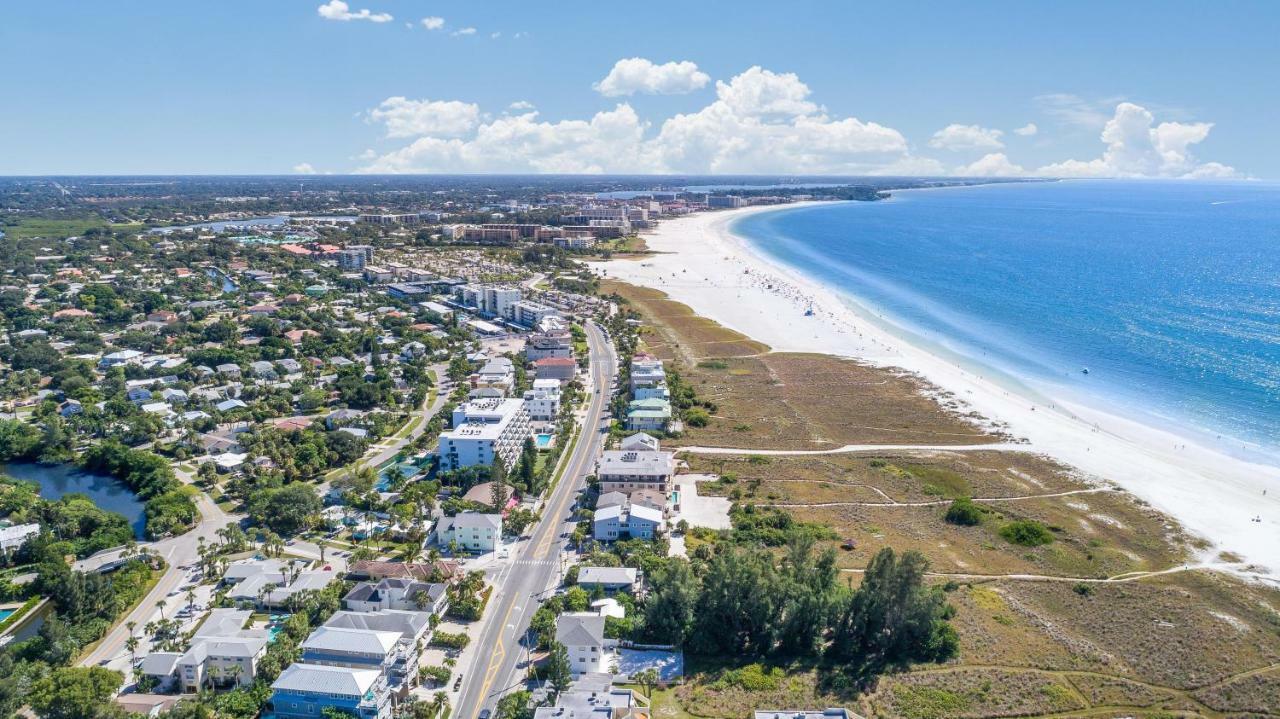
(108,493)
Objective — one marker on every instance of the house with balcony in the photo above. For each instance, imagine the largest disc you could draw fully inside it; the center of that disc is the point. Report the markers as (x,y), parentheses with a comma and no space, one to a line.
(382,651)
(304,691)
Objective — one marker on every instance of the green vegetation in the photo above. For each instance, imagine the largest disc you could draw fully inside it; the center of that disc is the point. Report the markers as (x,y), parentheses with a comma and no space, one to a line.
(73,521)
(964,512)
(1026,533)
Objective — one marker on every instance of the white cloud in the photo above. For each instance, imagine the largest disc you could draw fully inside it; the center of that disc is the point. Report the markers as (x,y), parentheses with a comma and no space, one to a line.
(1027,130)
(1137,149)
(636,74)
(760,122)
(464,31)
(994,164)
(1075,110)
(611,141)
(759,92)
(966,137)
(520,105)
(433,22)
(411,118)
(304,168)
(339,10)
(495,35)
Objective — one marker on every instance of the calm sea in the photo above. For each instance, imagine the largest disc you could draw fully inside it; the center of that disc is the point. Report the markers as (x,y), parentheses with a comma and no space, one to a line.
(1167,292)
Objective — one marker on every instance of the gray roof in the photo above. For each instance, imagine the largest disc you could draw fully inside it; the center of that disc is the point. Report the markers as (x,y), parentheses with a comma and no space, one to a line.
(410,625)
(607,575)
(637,462)
(343,639)
(580,630)
(611,499)
(159,664)
(317,679)
(466,520)
(224,622)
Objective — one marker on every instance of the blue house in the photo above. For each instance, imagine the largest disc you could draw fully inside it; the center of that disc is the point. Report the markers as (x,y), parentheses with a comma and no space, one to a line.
(303,691)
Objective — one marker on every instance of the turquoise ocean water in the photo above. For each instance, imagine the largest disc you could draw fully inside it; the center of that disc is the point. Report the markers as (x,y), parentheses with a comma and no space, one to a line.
(1167,292)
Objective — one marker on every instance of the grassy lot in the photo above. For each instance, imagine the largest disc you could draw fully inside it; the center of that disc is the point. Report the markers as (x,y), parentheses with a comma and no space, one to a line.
(792,400)
(1188,644)
(57,229)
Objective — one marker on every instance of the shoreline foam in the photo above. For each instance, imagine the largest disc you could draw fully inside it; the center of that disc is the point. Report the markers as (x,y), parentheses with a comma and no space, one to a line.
(701,263)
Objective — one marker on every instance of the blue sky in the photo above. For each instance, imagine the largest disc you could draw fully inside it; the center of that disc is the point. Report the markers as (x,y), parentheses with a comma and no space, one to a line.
(1166,89)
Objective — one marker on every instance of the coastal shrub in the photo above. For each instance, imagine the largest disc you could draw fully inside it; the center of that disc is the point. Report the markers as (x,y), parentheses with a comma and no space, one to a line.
(964,512)
(713,364)
(450,640)
(697,417)
(752,678)
(439,675)
(1027,533)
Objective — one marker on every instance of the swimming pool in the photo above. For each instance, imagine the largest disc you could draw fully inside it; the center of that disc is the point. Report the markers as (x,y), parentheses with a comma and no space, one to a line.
(6,613)
(543,441)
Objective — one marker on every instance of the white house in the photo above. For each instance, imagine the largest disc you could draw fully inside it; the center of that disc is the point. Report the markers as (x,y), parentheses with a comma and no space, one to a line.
(471,531)
(610,579)
(398,594)
(629,521)
(582,634)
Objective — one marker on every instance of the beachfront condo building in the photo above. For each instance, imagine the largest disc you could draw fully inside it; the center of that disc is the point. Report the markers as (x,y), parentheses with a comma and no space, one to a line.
(485,429)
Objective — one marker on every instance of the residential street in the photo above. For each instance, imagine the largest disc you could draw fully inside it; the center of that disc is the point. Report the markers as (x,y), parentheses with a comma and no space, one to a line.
(499,665)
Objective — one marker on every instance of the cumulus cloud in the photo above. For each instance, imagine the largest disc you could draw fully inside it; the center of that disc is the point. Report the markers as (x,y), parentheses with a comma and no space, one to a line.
(994,164)
(638,75)
(339,10)
(464,31)
(611,141)
(410,118)
(966,137)
(1137,147)
(433,22)
(520,105)
(760,122)
(1027,130)
(304,168)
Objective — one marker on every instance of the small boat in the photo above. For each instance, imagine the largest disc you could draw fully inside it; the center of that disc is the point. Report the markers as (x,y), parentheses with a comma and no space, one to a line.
(1084,370)
(808,312)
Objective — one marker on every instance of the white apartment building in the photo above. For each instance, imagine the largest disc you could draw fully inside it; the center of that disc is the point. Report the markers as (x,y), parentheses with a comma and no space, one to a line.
(626,470)
(543,401)
(485,429)
(530,313)
(495,301)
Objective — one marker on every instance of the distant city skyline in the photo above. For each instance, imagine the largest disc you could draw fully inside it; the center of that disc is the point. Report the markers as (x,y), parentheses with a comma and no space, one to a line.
(1087,89)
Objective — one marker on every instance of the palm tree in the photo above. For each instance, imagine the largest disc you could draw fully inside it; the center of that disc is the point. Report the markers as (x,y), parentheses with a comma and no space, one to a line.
(132,645)
(191,598)
(160,605)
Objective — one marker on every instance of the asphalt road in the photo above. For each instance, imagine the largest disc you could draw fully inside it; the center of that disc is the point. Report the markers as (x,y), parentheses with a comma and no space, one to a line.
(177,551)
(498,666)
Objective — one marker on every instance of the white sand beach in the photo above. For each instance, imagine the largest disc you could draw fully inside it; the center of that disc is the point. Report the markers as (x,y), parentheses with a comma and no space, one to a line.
(1214,495)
